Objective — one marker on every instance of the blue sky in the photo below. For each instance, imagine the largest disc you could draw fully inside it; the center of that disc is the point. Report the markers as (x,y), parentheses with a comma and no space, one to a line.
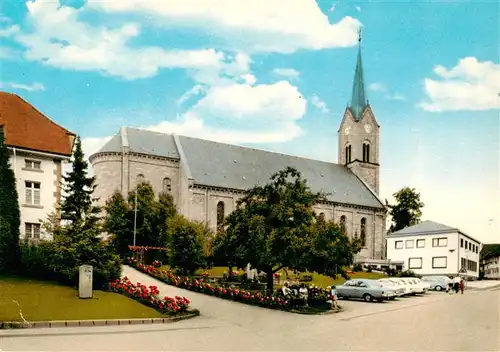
(277,75)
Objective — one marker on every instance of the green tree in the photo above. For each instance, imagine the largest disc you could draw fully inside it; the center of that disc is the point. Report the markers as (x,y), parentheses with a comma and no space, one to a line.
(408,209)
(78,205)
(186,244)
(78,241)
(9,212)
(118,222)
(330,249)
(274,223)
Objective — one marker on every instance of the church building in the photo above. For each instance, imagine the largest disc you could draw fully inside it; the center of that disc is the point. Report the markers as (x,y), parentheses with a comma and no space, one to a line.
(206,178)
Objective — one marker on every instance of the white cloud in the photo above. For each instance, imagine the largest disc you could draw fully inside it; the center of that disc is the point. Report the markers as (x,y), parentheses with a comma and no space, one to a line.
(319,104)
(263,113)
(60,39)
(247,25)
(381,88)
(194,91)
(358,8)
(9,31)
(470,85)
(377,87)
(34,87)
(287,72)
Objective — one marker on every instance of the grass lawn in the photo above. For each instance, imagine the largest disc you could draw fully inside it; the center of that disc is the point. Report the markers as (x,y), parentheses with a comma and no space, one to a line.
(317,279)
(40,300)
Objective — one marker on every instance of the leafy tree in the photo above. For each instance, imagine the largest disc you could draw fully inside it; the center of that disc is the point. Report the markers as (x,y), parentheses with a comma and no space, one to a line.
(152,218)
(186,244)
(331,250)
(78,205)
(118,223)
(9,212)
(272,223)
(408,209)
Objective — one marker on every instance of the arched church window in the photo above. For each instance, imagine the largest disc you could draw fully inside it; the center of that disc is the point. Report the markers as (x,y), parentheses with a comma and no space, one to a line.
(220,216)
(366,152)
(348,154)
(362,236)
(167,185)
(322,216)
(140,178)
(343,220)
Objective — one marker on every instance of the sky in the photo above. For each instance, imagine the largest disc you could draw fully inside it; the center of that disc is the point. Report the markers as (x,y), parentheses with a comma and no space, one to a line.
(277,75)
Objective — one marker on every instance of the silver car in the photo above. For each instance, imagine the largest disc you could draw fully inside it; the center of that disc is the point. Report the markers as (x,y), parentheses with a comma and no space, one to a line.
(368,290)
(438,283)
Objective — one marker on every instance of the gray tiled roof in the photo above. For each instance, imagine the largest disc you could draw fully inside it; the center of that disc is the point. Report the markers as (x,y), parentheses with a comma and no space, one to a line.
(425,227)
(230,166)
(144,142)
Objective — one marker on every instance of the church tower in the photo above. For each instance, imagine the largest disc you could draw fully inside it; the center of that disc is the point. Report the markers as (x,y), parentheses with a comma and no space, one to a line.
(358,135)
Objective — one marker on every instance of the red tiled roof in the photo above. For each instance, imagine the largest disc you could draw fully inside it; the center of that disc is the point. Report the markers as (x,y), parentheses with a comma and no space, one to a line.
(26,127)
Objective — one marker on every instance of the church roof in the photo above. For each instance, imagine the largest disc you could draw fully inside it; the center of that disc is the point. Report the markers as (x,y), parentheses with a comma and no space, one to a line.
(358,99)
(235,167)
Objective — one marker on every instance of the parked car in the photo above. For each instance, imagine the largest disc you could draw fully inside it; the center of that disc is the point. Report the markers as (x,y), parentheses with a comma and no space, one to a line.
(394,285)
(437,283)
(368,290)
(418,285)
(408,287)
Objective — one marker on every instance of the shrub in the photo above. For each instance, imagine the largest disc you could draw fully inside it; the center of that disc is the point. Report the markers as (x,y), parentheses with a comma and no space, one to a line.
(35,260)
(186,242)
(357,267)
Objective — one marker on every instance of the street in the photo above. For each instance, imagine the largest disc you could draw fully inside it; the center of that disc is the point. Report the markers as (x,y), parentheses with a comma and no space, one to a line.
(434,322)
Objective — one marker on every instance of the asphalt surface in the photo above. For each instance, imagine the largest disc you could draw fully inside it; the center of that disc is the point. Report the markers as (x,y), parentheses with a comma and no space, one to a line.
(433,322)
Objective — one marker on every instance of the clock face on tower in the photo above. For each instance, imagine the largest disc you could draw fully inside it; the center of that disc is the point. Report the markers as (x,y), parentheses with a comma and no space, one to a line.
(368,127)
(347,130)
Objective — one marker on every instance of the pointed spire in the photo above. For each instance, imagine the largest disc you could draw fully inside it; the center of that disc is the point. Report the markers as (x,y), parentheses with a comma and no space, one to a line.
(358,100)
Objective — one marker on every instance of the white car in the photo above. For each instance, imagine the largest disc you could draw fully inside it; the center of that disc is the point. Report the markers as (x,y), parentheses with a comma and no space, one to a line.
(406,285)
(418,285)
(395,285)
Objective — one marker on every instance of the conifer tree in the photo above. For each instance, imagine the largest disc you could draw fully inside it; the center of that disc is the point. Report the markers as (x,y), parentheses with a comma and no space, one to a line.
(78,205)
(9,212)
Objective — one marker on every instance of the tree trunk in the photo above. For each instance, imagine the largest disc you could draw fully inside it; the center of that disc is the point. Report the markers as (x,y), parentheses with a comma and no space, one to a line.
(270,281)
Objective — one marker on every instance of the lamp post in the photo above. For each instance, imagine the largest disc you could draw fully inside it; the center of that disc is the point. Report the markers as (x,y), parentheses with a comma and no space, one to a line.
(135,212)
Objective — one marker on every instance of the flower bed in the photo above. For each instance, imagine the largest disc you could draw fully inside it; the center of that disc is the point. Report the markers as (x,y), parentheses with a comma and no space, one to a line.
(318,297)
(150,296)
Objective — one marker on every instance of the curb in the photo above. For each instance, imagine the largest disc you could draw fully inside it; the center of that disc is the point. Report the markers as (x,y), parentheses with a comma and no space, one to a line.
(95,322)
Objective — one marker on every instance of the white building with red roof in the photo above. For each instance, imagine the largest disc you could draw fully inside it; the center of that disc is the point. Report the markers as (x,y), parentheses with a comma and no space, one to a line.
(38,148)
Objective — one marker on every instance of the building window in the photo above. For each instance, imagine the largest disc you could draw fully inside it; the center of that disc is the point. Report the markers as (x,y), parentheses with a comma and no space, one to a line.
(366,152)
(140,179)
(439,242)
(409,243)
(439,262)
(32,231)
(398,245)
(420,243)
(470,246)
(348,151)
(32,193)
(32,164)
(322,216)
(167,185)
(461,243)
(466,245)
(363,232)
(342,224)
(220,216)
(415,263)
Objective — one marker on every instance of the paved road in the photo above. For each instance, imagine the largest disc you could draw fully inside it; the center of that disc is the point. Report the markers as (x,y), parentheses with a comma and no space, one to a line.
(435,322)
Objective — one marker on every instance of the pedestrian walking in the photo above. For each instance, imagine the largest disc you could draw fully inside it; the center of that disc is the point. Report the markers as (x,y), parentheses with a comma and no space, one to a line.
(456,283)
(334,297)
(462,286)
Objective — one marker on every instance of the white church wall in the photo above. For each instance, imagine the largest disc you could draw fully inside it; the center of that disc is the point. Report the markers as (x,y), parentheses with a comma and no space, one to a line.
(108,173)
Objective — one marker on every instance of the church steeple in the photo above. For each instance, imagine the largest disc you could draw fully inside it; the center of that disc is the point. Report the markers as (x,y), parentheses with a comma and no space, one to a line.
(358,99)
